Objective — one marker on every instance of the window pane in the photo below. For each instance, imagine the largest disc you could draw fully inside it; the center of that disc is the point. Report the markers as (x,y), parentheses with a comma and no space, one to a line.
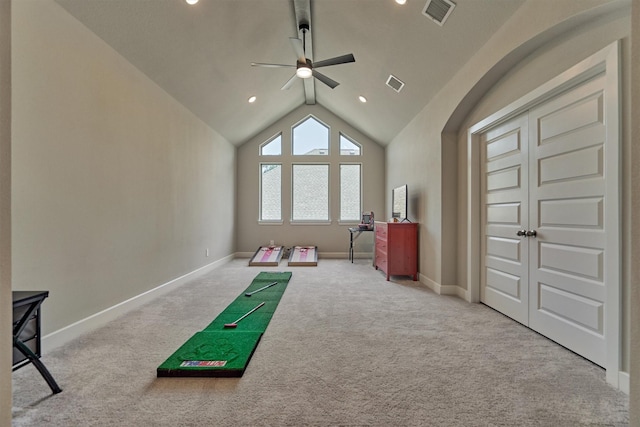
(310,193)
(348,147)
(310,138)
(350,192)
(270,192)
(272,148)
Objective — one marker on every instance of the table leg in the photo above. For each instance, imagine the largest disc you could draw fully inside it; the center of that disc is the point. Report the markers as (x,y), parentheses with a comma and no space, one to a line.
(351,247)
(38,364)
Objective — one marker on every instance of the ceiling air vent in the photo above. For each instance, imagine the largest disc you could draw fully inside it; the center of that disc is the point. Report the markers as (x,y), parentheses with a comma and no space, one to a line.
(394,83)
(438,10)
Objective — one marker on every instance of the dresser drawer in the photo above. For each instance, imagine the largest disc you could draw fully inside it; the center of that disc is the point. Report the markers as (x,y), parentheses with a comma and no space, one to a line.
(381,262)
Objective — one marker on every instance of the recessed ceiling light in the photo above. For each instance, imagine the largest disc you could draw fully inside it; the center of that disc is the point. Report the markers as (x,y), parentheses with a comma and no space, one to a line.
(401,1)
(362,99)
(191,2)
(252,99)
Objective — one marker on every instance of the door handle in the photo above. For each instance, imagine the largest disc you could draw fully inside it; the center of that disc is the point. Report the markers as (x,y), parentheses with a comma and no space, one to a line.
(522,233)
(531,233)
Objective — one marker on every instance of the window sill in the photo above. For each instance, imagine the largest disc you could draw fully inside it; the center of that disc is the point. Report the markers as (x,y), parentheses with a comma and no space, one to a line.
(274,222)
(299,222)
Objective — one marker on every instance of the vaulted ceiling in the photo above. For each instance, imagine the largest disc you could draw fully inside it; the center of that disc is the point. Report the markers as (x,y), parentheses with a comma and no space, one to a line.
(202,54)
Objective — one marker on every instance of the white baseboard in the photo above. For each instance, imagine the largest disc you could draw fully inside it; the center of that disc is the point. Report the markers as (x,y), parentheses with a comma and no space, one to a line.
(444,289)
(244,254)
(624,382)
(97,320)
(462,293)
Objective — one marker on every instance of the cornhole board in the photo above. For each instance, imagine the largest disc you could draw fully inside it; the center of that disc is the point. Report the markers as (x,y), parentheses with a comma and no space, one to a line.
(303,256)
(267,256)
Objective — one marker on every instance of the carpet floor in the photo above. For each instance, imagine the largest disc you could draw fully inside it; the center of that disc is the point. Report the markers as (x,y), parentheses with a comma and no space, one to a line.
(344,348)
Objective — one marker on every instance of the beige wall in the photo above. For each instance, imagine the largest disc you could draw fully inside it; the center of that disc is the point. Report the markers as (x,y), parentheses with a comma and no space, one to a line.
(5,214)
(536,44)
(634,395)
(332,239)
(117,189)
(417,155)
(542,65)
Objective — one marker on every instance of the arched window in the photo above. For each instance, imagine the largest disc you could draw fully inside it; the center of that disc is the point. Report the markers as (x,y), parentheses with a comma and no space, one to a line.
(314,187)
(310,138)
(348,147)
(272,147)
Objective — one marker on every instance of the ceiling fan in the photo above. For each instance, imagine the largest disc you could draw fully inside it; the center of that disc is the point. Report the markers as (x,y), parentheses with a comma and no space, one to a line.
(305,68)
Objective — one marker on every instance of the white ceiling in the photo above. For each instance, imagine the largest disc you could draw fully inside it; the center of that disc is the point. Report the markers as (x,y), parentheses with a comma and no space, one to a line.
(201,55)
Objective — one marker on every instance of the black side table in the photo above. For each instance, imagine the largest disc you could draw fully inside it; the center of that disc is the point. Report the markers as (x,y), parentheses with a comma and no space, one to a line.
(26,333)
(354,233)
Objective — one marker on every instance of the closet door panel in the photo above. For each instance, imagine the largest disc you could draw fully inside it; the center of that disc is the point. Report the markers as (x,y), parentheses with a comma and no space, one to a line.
(567,204)
(504,281)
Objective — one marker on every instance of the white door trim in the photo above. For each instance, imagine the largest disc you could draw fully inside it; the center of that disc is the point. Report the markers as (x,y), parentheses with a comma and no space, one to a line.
(604,61)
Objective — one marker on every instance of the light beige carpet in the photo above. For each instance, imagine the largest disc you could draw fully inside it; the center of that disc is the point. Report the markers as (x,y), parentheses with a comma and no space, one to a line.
(344,348)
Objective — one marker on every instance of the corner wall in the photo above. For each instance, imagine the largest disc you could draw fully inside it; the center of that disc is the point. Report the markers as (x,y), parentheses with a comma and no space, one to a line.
(536,44)
(417,156)
(539,67)
(634,393)
(331,239)
(6,311)
(117,188)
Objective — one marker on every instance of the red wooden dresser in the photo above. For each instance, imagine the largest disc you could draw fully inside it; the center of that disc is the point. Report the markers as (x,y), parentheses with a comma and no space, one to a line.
(397,248)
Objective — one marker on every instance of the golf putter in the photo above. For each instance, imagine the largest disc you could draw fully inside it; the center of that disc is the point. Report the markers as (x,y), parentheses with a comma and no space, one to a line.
(235,324)
(248,294)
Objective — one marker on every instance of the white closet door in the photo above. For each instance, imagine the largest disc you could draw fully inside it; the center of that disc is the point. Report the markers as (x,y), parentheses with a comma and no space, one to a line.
(567,192)
(505,206)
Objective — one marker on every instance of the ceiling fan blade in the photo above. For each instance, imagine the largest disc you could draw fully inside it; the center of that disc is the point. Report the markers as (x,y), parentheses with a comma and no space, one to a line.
(344,59)
(259,64)
(289,83)
(298,48)
(326,80)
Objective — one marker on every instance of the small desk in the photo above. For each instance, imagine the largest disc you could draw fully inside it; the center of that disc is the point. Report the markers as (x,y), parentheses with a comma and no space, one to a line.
(354,233)
(26,333)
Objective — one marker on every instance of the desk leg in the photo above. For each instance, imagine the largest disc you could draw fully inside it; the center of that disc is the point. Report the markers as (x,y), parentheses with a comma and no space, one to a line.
(351,247)
(38,364)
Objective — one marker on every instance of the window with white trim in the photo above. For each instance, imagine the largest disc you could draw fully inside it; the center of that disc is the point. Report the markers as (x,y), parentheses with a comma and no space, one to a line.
(272,147)
(310,138)
(310,182)
(270,192)
(310,192)
(348,147)
(350,192)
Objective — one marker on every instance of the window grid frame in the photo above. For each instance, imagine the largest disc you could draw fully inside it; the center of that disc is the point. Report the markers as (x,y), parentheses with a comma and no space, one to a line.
(260,193)
(294,221)
(269,141)
(351,140)
(360,192)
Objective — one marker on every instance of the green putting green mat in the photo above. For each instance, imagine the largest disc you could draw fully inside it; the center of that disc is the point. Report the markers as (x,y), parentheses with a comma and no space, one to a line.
(221,350)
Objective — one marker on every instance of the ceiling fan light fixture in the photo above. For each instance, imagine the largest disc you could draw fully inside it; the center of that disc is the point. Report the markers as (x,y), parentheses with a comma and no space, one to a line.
(303,70)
